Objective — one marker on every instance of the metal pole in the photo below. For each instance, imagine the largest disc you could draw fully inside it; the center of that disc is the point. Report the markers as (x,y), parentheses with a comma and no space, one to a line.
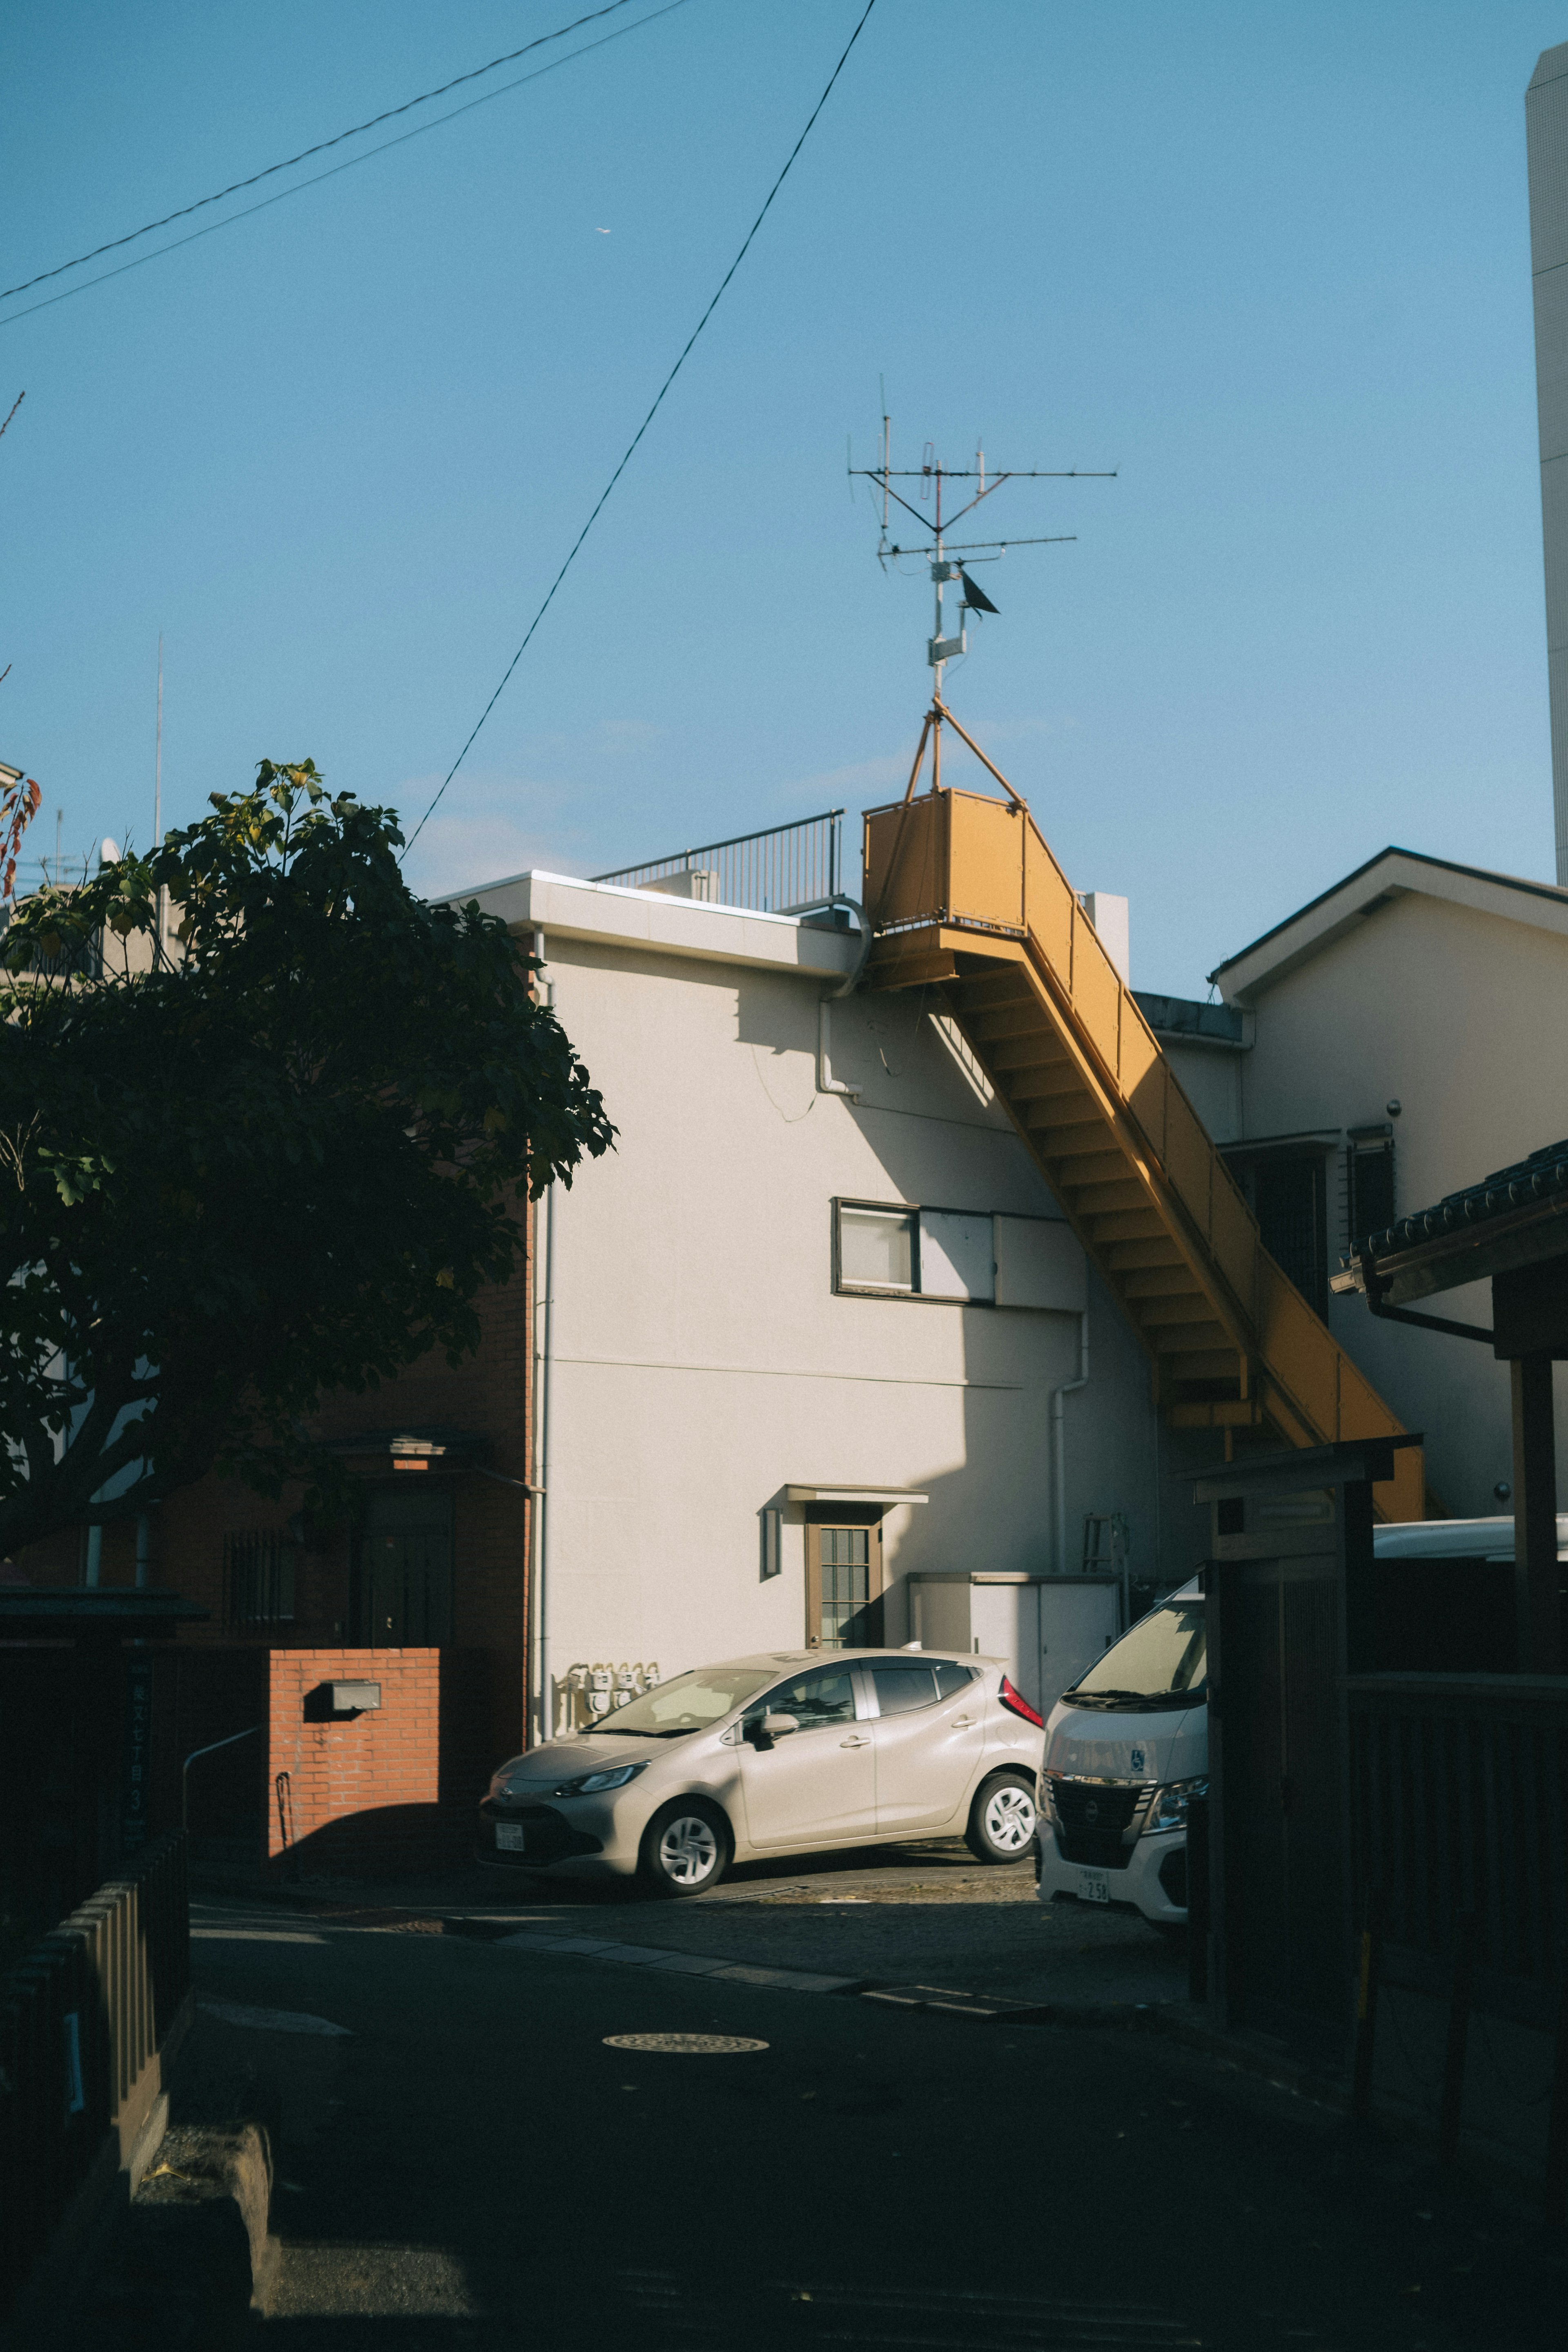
(541,1727)
(158,804)
(211,1749)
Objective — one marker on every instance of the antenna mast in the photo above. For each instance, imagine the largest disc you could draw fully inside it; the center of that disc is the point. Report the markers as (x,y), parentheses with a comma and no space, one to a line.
(948,567)
(158,795)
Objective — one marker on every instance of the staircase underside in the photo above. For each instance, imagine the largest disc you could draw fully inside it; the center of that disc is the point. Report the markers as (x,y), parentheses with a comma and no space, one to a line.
(1232,1343)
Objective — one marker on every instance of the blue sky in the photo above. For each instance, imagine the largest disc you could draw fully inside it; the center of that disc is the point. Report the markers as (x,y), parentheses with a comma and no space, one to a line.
(1272,264)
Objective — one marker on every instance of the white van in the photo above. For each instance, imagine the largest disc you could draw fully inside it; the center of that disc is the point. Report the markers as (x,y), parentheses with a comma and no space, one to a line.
(1126,1747)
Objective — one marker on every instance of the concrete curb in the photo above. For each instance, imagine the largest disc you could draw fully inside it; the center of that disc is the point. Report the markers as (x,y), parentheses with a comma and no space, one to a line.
(982,2008)
(657,1959)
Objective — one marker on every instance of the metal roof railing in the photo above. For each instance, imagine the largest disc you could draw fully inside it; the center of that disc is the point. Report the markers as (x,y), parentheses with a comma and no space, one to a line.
(779,872)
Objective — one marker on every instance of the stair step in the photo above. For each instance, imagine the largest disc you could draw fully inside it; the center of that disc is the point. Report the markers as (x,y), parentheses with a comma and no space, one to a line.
(1209,1364)
(1046,1082)
(1026,1018)
(1139,1228)
(1185,1306)
(992,987)
(1071,1139)
(1038,1050)
(1098,1201)
(1187,1338)
(1170,1280)
(1088,1163)
(1152,1249)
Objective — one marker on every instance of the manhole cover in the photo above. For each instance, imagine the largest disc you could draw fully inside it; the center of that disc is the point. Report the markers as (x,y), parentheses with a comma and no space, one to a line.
(684,2045)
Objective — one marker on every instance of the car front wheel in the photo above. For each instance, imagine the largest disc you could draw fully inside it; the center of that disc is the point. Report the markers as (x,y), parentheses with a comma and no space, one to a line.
(686,1848)
(1003,1820)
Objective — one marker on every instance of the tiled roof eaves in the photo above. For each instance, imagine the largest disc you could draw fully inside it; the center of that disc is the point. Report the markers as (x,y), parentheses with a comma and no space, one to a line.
(1418,856)
(1542,1177)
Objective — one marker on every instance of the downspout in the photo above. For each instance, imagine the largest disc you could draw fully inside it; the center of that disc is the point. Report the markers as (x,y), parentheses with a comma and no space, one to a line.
(541,1723)
(827,1084)
(1058,1441)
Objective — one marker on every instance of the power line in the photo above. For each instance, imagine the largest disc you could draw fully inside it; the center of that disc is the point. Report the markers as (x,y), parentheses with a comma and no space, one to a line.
(642,428)
(320,148)
(245,212)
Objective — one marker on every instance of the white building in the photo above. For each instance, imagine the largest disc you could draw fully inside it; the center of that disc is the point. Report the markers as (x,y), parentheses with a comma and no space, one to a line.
(804,1334)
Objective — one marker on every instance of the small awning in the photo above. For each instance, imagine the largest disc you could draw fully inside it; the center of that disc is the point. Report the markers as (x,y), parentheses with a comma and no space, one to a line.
(890,1497)
(452,1449)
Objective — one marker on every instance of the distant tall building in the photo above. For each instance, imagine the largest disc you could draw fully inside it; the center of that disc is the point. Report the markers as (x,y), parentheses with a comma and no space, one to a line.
(1546,134)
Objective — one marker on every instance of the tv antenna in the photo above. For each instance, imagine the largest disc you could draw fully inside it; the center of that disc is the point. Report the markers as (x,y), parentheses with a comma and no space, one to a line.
(947,565)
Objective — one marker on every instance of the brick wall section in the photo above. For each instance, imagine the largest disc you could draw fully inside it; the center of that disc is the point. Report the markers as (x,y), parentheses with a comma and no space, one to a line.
(358,1792)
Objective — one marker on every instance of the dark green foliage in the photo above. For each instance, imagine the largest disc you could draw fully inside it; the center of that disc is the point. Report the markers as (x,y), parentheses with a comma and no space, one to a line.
(277,1153)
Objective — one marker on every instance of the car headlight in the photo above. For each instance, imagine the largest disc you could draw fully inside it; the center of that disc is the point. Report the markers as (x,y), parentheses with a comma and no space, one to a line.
(1168,1806)
(589,1784)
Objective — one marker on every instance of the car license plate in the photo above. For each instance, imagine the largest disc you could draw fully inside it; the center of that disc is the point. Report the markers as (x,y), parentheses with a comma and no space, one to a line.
(509,1836)
(1093,1887)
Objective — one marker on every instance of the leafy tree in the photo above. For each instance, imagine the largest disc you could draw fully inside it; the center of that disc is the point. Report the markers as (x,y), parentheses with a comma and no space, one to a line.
(265,1121)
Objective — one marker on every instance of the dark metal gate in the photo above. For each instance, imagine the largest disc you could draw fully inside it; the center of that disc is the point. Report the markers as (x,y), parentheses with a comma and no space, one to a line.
(402,1567)
(1291,1574)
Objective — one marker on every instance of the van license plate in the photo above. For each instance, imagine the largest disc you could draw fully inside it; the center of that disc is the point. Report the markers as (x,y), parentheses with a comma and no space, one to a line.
(508,1838)
(1093,1887)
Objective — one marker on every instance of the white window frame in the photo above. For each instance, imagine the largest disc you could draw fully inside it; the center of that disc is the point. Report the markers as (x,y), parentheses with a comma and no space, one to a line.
(915,1211)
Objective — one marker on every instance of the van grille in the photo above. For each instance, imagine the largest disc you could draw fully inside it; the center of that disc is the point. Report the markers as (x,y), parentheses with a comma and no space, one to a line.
(1092,1816)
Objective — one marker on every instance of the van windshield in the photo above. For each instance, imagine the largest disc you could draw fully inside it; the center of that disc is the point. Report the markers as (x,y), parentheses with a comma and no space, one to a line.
(1162,1661)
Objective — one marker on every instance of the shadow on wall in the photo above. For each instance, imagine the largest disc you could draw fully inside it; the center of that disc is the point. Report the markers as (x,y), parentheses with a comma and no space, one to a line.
(994,1509)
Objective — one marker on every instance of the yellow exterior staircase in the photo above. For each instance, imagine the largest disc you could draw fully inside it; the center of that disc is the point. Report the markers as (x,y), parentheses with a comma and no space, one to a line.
(964,894)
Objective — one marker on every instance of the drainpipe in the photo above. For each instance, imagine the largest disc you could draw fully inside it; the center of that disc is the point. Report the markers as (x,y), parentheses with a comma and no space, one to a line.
(541,1725)
(1058,1441)
(827,1084)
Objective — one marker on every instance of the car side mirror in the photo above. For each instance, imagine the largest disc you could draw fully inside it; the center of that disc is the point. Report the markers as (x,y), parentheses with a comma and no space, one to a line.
(762,1734)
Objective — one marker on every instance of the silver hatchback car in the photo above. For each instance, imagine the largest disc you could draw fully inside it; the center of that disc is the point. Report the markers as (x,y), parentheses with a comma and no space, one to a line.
(778,1754)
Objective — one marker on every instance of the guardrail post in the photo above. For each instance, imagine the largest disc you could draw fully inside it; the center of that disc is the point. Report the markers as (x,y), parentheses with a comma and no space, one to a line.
(1452,2099)
(1368,1981)
(1554,2189)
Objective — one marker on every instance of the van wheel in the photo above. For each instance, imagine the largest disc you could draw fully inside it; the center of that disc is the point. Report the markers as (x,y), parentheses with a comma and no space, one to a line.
(686,1848)
(1003,1820)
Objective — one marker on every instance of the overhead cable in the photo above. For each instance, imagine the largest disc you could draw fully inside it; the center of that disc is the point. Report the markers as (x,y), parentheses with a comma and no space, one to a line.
(7,317)
(320,148)
(642,428)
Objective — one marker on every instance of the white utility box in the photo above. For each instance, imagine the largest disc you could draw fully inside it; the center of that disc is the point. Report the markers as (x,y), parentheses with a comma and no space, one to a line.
(1050,1628)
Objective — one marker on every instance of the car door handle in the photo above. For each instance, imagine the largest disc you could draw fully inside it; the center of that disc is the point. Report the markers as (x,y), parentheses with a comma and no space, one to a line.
(856,1742)
(963,1722)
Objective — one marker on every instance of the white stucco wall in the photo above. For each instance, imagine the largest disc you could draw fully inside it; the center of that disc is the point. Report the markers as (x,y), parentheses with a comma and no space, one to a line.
(1459,1015)
(1210,1076)
(701,1361)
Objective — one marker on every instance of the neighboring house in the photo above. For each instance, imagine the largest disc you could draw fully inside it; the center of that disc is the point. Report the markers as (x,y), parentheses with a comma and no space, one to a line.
(1377,1049)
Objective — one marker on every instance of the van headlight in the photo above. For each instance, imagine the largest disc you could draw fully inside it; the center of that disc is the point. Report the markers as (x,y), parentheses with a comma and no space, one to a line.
(1168,1806)
(589,1784)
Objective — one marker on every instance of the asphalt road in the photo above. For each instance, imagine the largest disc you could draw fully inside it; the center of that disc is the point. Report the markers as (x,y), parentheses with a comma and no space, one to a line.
(470,2165)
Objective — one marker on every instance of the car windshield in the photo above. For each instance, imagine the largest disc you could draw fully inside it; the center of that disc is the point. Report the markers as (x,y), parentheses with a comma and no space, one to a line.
(686,1703)
(1163,1661)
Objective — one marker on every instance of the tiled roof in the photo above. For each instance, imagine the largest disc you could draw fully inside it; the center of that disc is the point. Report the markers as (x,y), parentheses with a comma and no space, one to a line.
(1542,1177)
